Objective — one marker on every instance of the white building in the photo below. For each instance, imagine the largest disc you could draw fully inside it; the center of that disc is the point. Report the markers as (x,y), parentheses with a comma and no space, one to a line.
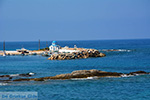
(54,47)
(67,51)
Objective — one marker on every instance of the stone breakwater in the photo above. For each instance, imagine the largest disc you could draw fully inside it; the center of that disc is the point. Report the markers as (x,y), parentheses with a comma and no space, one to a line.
(77,55)
(80,74)
(13,53)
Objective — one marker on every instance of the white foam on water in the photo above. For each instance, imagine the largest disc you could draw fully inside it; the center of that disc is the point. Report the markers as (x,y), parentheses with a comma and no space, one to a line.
(125,75)
(128,50)
(14,75)
(78,78)
(95,77)
(121,50)
(124,50)
(139,74)
(88,78)
(31,73)
(1,84)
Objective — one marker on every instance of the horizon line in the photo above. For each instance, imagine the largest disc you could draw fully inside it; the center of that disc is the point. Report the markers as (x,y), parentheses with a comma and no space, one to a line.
(77,40)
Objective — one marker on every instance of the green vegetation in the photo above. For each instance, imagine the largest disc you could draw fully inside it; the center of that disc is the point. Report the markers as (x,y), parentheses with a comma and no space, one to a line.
(45,48)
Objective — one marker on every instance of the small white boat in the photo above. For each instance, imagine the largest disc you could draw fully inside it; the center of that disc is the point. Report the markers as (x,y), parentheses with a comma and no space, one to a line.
(32,53)
(22,50)
(46,53)
(4,54)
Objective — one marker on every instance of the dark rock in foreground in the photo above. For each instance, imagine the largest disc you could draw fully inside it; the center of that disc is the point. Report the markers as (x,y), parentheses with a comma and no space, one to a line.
(17,75)
(137,73)
(83,74)
(14,76)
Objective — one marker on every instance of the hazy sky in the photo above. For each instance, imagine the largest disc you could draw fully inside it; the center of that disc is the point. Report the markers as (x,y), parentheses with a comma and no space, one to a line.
(30,20)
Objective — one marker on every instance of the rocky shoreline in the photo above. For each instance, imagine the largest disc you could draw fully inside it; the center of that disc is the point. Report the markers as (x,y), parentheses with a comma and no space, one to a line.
(79,74)
(86,53)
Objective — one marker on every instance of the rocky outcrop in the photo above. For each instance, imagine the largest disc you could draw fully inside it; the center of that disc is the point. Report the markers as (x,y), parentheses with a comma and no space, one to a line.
(76,74)
(17,75)
(138,73)
(84,74)
(77,55)
(14,76)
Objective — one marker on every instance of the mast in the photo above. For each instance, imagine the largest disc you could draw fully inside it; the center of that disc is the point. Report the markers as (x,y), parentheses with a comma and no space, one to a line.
(39,44)
(4,54)
(4,46)
(46,44)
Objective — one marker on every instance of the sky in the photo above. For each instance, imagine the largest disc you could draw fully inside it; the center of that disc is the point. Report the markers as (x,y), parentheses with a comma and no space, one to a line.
(31,20)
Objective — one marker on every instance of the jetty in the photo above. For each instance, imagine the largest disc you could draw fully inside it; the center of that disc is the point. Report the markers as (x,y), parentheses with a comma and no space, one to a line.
(66,53)
(30,52)
(56,52)
(80,53)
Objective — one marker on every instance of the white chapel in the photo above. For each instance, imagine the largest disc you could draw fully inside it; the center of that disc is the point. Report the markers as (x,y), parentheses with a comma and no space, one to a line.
(54,47)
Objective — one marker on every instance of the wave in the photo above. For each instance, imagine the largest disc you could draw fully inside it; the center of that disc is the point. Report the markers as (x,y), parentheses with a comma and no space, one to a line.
(23,75)
(95,77)
(119,50)
(129,75)
(124,50)
(2,84)
(125,75)
(13,75)
(88,78)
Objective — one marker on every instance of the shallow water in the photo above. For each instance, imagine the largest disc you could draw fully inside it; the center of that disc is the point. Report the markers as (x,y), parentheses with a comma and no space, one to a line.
(134,55)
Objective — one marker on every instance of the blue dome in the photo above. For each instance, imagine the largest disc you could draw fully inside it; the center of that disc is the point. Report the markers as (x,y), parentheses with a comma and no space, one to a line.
(54,42)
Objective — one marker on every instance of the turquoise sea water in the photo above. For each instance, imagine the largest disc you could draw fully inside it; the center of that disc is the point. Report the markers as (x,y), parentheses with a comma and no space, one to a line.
(135,55)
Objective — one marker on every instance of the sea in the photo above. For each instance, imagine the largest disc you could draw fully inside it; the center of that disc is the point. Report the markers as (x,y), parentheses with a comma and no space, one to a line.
(132,55)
